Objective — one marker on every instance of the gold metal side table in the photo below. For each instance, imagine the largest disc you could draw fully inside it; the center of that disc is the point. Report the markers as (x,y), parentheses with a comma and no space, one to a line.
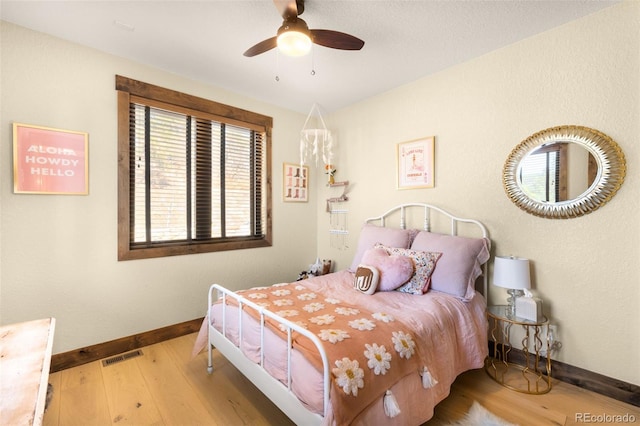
(534,376)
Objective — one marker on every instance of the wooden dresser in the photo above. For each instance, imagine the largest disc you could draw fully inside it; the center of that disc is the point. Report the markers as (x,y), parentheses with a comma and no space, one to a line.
(25,357)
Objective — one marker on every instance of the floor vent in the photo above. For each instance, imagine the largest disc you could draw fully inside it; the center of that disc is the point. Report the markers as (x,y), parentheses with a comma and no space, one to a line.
(119,358)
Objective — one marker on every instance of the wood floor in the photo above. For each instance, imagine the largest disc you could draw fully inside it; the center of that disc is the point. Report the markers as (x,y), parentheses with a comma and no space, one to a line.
(165,386)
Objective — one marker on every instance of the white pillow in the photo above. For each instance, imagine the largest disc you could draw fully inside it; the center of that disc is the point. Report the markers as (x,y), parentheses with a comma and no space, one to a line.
(366,279)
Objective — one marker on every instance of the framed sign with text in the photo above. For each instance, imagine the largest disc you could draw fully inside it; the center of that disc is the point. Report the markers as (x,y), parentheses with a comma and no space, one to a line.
(415,164)
(50,161)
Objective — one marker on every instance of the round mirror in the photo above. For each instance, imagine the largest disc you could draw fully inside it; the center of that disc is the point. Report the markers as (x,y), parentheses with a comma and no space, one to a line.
(564,172)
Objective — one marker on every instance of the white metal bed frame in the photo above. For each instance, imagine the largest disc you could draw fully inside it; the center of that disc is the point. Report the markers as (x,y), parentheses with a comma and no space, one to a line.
(279,393)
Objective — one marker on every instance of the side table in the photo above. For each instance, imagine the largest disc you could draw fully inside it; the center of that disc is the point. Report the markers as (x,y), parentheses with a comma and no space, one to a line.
(531,377)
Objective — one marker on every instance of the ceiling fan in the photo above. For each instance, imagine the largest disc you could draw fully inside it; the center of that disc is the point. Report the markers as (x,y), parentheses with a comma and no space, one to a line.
(294,37)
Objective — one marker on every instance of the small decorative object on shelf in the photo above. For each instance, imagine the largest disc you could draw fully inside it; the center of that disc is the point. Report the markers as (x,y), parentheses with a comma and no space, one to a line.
(330,171)
(320,267)
(529,307)
(534,375)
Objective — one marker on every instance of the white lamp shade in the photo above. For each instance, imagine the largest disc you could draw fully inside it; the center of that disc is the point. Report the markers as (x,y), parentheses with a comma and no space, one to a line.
(511,272)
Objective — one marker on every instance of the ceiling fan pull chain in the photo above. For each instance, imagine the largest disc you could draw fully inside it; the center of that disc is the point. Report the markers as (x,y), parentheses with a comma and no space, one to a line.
(277,66)
(313,61)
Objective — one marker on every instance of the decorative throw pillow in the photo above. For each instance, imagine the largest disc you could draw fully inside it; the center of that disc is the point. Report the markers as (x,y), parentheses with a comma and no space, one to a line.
(461,261)
(366,279)
(424,264)
(372,234)
(394,270)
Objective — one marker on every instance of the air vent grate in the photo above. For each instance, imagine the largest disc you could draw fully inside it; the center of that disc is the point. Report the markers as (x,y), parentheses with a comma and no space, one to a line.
(119,358)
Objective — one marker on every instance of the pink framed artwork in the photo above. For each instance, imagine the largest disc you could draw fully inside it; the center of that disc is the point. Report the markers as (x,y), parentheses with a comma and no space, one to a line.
(295,183)
(50,161)
(415,163)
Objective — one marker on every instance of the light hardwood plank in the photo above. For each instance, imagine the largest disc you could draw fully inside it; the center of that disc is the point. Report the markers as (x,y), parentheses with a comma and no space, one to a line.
(83,400)
(130,402)
(174,397)
(167,381)
(558,407)
(228,394)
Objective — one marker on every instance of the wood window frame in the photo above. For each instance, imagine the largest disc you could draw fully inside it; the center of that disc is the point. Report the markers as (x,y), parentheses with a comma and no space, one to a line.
(128,88)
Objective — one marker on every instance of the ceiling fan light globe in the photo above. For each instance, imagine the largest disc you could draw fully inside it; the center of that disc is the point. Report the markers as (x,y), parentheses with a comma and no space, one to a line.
(294,43)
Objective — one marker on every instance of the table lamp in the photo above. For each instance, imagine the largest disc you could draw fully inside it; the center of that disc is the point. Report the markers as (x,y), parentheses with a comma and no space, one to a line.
(512,273)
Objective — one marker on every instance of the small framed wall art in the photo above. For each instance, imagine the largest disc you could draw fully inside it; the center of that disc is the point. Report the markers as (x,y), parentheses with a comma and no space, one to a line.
(295,183)
(415,163)
(50,161)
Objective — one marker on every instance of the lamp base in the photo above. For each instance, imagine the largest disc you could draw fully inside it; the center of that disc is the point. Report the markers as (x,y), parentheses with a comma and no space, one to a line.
(511,301)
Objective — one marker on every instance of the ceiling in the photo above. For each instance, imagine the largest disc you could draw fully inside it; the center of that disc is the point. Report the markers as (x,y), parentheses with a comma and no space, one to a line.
(204,40)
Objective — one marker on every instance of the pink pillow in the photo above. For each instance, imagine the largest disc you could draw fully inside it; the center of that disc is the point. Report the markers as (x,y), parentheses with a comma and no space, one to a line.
(424,263)
(394,270)
(460,263)
(372,234)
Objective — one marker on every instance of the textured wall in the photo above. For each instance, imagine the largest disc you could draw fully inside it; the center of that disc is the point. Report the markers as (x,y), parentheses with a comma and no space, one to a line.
(59,253)
(585,73)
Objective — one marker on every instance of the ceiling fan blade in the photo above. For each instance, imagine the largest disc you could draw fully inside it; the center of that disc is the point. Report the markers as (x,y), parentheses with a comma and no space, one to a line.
(290,11)
(336,40)
(262,47)
(289,8)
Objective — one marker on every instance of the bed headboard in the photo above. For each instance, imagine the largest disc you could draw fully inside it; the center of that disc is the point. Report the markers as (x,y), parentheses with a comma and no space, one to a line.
(429,216)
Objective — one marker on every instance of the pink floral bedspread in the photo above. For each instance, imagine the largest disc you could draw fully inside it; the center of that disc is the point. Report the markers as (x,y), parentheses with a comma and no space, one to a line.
(392,337)
(368,351)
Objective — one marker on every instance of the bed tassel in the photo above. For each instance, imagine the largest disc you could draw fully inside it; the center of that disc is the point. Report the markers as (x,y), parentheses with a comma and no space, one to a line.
(391,408)
(427,379)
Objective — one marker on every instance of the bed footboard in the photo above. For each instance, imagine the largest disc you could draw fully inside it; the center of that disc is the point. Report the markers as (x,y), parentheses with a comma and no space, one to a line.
(279,393)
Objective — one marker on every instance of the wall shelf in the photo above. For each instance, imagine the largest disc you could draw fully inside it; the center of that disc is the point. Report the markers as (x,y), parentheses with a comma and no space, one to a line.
(342,198)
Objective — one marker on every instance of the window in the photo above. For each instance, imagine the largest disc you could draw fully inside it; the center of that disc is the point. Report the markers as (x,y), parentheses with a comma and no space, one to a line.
(192,174)
(543,173)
